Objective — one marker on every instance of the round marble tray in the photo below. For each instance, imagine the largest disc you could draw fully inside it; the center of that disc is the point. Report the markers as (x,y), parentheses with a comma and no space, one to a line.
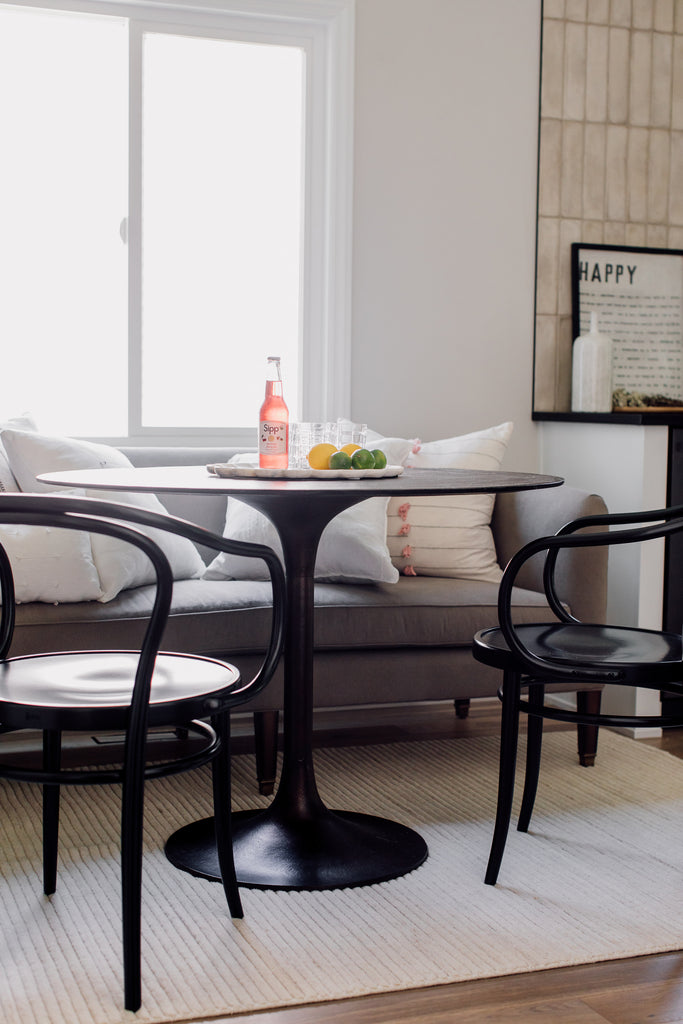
(225,469)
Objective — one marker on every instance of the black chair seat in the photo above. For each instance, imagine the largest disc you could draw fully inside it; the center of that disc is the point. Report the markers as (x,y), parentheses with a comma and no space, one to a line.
(93,689)
(568,651)
(624,650)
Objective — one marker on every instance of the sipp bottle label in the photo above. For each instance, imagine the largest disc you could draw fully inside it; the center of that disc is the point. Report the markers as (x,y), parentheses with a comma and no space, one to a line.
(273,437)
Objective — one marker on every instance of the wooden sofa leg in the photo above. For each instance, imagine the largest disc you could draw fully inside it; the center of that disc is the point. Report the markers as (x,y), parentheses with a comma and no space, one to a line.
(462,707)
(265,745)
(588,702)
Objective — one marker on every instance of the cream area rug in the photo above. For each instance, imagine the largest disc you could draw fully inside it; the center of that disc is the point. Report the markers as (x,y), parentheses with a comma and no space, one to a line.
(599,876)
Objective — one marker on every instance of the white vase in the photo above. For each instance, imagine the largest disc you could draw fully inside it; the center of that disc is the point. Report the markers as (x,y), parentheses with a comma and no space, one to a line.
(592,371)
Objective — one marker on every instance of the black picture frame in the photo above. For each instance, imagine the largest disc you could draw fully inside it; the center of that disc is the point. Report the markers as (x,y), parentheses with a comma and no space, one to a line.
(637,293)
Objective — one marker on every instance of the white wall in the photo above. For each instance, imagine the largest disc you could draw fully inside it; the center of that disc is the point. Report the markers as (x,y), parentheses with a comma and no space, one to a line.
(446,123)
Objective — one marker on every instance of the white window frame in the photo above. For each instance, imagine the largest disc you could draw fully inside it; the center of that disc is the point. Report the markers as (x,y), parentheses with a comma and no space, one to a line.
(325,31)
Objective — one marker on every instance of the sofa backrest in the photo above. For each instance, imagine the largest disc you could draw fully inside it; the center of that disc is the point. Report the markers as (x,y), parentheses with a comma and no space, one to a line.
(581,577)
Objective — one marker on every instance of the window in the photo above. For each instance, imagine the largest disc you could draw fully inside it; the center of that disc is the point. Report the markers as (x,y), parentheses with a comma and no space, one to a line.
(175,208)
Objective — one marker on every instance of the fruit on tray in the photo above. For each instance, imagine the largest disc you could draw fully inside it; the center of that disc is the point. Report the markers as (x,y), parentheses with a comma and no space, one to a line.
(363,459)
(319,455)
(351,456)
(340,460)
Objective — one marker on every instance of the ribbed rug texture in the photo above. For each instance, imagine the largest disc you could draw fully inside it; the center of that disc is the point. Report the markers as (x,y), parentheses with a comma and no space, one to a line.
(599,876)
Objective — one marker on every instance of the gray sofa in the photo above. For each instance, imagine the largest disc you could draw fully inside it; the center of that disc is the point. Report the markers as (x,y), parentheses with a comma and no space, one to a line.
(374,644)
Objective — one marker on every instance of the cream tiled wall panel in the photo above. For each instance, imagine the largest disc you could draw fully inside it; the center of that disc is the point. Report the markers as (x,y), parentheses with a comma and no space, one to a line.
(597,49)
(611,153)
(662,60)
(618,75)
(677,78)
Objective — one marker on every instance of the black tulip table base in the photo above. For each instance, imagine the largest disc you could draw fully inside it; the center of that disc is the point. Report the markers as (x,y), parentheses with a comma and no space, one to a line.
(333,850)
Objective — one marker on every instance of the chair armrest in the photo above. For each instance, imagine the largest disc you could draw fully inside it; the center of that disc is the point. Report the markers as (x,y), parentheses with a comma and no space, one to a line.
(593,532)
(581,575)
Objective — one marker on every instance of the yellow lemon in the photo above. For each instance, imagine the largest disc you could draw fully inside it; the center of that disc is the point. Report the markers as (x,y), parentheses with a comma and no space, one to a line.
(350,448)
(319,456)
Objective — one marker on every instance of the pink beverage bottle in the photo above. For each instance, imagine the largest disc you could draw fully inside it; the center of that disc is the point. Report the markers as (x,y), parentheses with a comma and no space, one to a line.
(273,431)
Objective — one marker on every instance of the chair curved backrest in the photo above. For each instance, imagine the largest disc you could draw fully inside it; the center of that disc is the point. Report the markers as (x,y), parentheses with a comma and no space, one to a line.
(58,511)
(129,523)
(663,523)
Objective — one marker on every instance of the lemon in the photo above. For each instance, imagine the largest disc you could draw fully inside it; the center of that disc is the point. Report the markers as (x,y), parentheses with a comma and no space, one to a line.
(350,448)
(340,460)
(319,455)
(363,459)
(380,458)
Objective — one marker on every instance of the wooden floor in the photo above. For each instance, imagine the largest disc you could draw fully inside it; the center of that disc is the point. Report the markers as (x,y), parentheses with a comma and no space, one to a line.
(643,990)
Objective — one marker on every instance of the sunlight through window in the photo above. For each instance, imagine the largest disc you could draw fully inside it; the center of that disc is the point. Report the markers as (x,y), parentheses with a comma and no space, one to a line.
(221,226)
(63,266)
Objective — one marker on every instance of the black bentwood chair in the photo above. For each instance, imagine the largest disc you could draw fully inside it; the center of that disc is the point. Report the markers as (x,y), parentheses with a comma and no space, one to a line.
(127,691)
(571,652)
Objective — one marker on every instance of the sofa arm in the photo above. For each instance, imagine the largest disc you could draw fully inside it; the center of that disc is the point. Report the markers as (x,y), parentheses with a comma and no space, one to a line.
(581,574)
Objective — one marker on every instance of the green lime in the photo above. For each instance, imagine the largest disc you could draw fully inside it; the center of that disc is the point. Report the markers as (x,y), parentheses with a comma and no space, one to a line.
(340,460)
(380,458)
(363,459)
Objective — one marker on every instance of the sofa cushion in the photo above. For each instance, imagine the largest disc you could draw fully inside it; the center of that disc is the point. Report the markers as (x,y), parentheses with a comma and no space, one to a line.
(118,564)
(420,612)
(236,614)
(451,535)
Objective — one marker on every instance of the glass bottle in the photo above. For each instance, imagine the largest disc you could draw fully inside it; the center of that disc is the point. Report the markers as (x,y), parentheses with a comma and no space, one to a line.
(592,371)
(273,421)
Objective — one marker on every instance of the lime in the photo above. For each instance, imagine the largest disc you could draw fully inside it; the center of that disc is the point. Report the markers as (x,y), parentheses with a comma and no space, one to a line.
(363,459)
(340,460)
(319,456)
(380,458)
(350,448)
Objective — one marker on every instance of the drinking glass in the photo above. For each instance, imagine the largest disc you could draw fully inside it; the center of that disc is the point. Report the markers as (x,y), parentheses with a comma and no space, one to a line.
(351,433)
(303,436)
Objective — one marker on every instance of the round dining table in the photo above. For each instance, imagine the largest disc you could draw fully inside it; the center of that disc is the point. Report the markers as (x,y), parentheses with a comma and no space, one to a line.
(297,842)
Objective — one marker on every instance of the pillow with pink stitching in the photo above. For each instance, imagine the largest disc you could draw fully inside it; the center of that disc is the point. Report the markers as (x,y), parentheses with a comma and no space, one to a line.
(451,535)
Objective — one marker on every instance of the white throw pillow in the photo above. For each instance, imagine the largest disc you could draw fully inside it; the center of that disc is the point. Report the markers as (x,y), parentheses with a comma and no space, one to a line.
(396,449)
(119,564)
(50,565)
(352,549)
(24,421)
(451,535)
(7,479)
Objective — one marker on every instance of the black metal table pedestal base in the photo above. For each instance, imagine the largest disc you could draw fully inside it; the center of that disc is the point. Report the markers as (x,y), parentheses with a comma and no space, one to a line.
(335,850)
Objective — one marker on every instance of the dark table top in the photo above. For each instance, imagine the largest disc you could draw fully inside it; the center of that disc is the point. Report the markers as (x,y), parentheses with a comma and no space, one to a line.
(197,479)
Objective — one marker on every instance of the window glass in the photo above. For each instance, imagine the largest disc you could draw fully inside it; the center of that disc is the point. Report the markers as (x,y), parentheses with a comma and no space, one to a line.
(63,195)
(221,226)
